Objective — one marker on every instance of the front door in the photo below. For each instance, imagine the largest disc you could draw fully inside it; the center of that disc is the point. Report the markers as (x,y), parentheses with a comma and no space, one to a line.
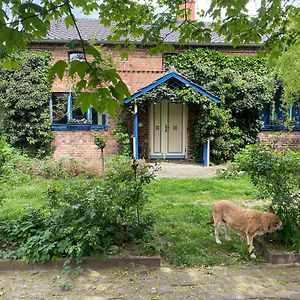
(167,130)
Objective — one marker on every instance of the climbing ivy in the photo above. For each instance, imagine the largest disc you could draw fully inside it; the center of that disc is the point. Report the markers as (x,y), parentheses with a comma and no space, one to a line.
(24,98)
(243,84)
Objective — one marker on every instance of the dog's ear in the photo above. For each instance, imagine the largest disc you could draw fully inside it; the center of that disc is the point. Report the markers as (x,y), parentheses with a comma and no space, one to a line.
(271,210)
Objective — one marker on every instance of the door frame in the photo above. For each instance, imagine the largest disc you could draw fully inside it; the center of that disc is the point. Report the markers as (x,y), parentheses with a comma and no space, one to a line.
(164,116)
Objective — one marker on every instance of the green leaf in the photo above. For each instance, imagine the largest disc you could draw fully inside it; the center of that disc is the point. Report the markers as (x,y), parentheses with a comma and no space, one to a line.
(73,43)
(112,75)
(93,51)
(57,69)
(29,6)
(86,100)
(69,21)
(9,64)
(124,55)
(122,89)
(79,67)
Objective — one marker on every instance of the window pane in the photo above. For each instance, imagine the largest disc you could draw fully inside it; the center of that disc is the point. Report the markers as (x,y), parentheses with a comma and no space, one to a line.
(60,108)
(78,116)
(98,119)
(296,114)
(76,56)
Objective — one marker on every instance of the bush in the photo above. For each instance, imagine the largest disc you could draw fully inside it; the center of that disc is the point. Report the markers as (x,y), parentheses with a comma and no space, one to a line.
(97,217)
(277,177)
(24,96)
(15,166)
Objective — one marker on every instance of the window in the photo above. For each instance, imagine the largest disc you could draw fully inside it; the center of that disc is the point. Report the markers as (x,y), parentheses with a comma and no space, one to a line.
(59,108)
(65,117)
(76,56)
(275,117)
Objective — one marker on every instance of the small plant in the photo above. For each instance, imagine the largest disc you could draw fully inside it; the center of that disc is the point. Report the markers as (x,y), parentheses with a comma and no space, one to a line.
(100,143)
(79,121)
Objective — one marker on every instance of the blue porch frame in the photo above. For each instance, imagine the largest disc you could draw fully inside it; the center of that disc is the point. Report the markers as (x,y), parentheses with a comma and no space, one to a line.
(161,80)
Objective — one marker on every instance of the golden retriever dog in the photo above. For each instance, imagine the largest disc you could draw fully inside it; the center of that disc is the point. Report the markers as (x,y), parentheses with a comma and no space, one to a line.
(251,222)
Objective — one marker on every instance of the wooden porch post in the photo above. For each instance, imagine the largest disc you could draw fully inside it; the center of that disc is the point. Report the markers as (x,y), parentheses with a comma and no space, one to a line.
(206,153)
(135,132)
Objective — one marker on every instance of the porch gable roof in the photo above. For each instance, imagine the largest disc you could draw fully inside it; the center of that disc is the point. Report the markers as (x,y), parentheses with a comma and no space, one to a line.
(168,76)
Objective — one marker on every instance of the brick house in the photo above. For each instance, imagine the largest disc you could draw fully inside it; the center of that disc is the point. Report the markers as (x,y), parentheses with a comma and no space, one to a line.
(139,71)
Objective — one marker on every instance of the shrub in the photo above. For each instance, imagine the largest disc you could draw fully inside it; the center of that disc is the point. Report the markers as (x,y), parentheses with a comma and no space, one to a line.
(24,96)
(97,217)
(16,166)
(277,177)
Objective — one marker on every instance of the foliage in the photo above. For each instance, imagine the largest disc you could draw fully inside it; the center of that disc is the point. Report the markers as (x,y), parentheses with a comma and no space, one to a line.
(95,81)
(242,83)
(121,133)
(288,68)
(92,218)
(24,95)
(214,123)
(23,22)
(183,237)
(276,175)
(99,141)
(18,167)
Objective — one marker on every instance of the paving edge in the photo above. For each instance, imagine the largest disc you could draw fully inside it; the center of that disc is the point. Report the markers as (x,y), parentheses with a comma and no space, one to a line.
(276,258)
(86,263)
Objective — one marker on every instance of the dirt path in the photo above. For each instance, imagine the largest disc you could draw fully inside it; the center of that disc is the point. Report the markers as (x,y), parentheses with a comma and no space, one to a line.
(262,281)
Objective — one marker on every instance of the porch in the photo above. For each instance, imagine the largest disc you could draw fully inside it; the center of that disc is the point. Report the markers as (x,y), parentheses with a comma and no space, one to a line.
(162,126)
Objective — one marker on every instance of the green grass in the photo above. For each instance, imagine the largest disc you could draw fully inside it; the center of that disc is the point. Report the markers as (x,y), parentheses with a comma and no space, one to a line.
(183,209)
(19,195)
(182,206)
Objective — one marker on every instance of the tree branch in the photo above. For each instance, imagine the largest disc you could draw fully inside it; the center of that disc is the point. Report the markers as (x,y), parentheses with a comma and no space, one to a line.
(78,32)
(16,22)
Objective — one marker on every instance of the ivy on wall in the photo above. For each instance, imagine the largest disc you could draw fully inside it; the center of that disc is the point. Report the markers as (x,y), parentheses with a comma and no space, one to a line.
(243,84)
(24,98)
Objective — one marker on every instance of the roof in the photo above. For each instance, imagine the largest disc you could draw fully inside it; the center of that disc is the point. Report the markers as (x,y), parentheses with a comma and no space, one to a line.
(91,29)
(167,77)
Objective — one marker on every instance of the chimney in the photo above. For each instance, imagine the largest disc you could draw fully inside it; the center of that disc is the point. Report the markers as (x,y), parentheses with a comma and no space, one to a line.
(190,8)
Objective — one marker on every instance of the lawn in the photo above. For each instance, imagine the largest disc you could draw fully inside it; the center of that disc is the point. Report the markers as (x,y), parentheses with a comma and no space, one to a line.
(182,207)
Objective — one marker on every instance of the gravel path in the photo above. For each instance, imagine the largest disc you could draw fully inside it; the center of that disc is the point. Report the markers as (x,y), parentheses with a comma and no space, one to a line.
(185,170)
(252,281)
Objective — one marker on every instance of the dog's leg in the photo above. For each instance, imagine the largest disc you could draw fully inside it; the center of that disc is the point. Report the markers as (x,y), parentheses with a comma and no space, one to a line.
(226,230)
(250,244)
(217,228)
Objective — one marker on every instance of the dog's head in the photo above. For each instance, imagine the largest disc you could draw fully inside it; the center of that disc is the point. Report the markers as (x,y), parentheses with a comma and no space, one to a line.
(274,222)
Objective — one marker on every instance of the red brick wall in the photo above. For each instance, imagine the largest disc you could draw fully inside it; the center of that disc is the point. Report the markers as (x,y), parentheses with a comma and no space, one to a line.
(80,144)
(139,70)
(281,139)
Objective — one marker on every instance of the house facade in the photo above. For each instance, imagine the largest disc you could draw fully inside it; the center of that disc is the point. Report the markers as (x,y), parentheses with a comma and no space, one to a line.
(159,130)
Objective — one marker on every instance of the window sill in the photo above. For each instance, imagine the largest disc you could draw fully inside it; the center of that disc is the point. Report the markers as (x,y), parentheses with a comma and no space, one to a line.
(75,127)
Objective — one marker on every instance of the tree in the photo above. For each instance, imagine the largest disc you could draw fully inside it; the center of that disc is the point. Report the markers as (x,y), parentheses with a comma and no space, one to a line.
(288,69)
(276,25)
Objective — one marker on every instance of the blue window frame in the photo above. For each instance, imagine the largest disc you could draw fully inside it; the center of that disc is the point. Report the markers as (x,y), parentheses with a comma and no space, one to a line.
(274,117)
(63,115)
